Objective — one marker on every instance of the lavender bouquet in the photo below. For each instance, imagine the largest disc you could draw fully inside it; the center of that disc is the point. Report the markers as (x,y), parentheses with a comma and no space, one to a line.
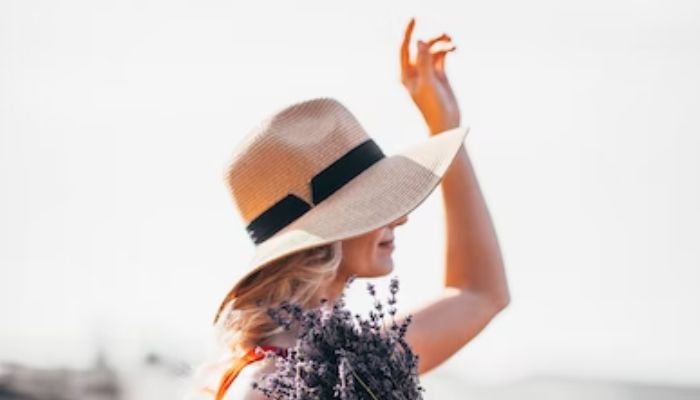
(336,356)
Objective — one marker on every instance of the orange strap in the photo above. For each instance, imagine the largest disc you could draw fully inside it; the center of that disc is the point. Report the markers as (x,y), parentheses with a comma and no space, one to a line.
(249,357)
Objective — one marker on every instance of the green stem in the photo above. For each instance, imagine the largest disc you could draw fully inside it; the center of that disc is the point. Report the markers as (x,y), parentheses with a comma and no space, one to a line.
(362,382)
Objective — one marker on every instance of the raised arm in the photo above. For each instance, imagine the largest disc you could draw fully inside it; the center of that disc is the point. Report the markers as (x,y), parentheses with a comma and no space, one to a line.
(475,282)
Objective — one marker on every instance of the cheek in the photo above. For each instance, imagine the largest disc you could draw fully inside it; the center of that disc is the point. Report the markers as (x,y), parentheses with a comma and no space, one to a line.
(364,255)
(373,249)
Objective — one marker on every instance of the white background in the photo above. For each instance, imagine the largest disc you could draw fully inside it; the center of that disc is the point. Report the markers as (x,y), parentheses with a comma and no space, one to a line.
(116,120)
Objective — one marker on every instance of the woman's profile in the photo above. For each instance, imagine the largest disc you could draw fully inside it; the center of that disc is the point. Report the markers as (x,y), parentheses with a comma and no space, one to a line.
(321,202)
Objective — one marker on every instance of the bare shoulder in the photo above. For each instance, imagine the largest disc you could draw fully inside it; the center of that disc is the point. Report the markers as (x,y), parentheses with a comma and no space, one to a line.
(241,388)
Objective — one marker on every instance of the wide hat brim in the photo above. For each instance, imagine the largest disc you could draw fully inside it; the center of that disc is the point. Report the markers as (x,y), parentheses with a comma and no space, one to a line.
(384,192)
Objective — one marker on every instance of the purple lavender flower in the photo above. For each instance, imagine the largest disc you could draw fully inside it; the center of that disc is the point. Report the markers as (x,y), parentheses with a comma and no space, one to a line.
(338,356)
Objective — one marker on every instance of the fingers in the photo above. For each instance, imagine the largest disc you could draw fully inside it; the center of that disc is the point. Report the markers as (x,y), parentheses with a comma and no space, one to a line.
(437,58)
(427,62)
(406,68)
(444,36)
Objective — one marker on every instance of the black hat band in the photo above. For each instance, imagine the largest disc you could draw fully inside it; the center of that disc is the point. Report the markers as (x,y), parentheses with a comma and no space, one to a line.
(323,184)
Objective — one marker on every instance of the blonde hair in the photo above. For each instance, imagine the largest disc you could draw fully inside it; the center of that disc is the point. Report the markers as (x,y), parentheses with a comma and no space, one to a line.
(244,321)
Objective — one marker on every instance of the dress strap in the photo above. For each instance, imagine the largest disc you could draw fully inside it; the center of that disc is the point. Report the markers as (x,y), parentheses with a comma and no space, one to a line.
(249,357)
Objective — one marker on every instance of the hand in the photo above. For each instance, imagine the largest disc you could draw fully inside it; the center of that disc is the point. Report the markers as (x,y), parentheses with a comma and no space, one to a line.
(427,83)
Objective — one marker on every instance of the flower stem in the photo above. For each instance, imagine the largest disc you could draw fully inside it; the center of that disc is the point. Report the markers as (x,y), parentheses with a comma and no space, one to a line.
(362,382)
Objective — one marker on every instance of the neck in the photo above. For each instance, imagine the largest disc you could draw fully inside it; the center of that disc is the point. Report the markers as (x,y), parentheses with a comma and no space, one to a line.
(332,291)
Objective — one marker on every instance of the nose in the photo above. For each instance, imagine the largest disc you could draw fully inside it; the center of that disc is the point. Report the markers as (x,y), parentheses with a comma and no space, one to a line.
(400,221)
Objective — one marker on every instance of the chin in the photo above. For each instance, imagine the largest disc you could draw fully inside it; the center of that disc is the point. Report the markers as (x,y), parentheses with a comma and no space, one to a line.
(383,271)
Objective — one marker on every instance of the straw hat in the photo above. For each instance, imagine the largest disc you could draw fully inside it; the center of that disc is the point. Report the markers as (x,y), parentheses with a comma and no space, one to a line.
(309,174)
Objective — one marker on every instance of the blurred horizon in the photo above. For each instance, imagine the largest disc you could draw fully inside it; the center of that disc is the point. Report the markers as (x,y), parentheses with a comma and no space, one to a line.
(159,376)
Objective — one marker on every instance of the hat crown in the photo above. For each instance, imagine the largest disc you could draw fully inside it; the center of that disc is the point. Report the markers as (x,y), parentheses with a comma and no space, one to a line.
(286,150)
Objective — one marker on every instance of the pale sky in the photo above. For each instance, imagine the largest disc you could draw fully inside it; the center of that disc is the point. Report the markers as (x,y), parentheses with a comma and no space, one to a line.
(116,119)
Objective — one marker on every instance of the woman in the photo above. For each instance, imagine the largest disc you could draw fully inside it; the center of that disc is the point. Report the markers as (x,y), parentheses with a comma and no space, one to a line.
(474,279)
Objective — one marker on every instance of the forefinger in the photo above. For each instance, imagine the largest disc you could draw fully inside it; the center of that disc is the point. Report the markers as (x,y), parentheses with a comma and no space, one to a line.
(405,57)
